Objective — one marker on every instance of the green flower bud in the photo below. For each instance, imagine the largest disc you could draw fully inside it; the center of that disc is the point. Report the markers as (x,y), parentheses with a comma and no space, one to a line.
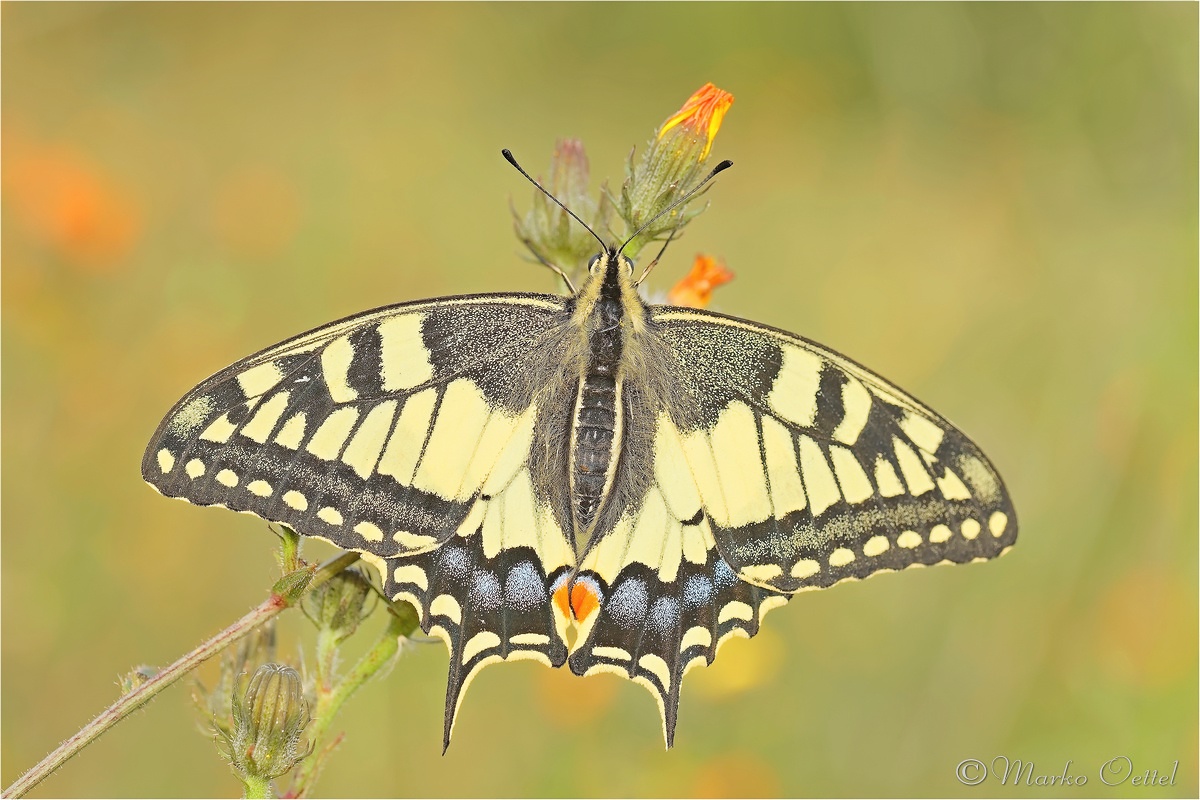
(215,706)
(547,230)
(337,606)
(267,738)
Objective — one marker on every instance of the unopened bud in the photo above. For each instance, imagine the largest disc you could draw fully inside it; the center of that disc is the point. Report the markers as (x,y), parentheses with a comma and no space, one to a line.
(548,230)
(215,705)
(672,166)
(267,738)
(337,605)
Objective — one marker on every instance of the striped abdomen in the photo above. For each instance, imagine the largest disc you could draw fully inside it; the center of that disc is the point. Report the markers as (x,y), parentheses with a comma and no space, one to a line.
(597,423)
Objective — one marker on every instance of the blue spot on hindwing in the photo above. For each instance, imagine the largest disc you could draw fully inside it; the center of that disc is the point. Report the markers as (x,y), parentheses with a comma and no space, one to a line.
(723,575)
(523,588)
(485,590)
(664,615)
(456,563)
(629,603)
(697,591)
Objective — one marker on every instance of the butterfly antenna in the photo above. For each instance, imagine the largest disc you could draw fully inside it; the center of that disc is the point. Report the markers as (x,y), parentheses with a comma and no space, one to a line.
(545,262)
(661,250)
(508,156)
(724,165)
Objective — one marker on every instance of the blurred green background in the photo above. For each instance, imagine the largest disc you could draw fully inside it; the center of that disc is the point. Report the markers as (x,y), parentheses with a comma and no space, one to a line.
(993,205)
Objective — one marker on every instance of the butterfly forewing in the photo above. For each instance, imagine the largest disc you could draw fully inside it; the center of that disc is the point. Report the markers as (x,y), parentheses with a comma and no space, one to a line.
(813,470)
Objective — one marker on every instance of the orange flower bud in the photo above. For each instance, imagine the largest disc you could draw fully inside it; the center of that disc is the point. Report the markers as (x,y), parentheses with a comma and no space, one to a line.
(696,288)
(671,167)
(702,113)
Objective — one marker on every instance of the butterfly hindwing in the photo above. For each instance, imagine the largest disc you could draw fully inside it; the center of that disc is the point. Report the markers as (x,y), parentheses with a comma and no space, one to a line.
(486,591)
(814,470)
(654,597)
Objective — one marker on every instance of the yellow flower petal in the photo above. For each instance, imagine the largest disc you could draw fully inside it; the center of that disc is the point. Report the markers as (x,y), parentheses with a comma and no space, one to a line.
(702,113)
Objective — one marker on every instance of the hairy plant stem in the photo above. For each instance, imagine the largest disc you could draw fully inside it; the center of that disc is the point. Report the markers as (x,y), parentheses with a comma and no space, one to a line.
(256,788)
(402,621)
(138,697)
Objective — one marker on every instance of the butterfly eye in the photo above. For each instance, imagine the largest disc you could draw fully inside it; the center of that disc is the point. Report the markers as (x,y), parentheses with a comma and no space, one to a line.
(593,263)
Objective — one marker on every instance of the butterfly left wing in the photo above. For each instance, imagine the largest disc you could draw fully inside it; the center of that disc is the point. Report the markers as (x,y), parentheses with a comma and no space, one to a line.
(411,434)
(486,591)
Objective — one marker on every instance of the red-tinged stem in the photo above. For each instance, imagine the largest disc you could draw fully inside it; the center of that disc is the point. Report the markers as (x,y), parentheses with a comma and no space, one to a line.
(142,694)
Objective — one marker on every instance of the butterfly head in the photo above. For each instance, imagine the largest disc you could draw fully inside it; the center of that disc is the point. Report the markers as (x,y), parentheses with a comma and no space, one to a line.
(610,274)
(610,262)
(609,294)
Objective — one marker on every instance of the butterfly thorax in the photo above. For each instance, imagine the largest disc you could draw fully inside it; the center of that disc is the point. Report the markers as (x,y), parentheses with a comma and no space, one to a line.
(607,310)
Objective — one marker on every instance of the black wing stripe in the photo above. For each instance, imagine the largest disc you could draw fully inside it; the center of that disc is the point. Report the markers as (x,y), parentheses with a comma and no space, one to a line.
(365,374)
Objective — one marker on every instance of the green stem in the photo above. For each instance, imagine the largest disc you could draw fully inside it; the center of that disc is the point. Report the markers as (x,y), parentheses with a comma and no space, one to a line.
(289,550)
(255,788)
(141,695)
(400,625)
(327,649)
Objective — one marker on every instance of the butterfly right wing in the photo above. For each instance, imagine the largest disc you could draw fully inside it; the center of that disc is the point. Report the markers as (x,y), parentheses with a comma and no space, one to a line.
(812,469)
(777,466)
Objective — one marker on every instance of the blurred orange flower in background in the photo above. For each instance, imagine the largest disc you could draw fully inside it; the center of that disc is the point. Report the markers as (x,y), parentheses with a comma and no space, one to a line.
(702,113)
(743,667)
(695,289)
(571,703)
(736,774)
(71,205)
(1129,649)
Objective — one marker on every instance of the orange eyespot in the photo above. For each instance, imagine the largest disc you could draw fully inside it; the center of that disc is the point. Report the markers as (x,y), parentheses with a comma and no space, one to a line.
(562,599)
(578,598)
(583,601)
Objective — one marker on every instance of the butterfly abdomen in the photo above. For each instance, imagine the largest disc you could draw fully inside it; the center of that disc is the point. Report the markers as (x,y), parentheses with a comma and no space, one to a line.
(597,423)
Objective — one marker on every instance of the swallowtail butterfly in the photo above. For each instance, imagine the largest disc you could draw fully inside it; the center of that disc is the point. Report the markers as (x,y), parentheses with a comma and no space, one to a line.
(520,465)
